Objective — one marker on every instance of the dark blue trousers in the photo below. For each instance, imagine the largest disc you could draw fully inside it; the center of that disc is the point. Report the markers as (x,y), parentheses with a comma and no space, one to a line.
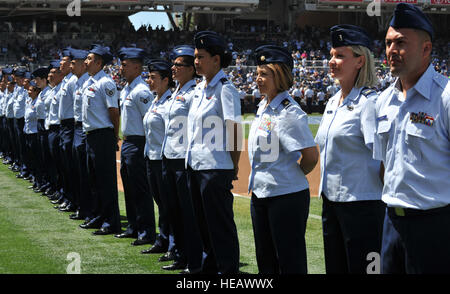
(45,157)
(101,161)
(351,230)
(81,181)
(32,155)
(416,243)
(66,142)
(279,225)
(13,140)
(138,200)
(159,193)
(181,212)
(213,207)
(55,167)
(19,123)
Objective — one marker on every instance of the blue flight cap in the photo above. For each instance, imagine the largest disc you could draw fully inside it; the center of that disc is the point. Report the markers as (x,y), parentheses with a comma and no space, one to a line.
(349,35)
(78,54)
(103,52)
(10,79)
(410,16)
(273,54)
(55,63)
(132,53)
(7,71)
(33,83)
(205,39)
(67,52)
(159,65)
(182,50)
(19,72)
(41,73)
(27,75)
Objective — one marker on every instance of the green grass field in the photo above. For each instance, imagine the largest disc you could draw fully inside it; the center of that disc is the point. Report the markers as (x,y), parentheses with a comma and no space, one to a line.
(35,238)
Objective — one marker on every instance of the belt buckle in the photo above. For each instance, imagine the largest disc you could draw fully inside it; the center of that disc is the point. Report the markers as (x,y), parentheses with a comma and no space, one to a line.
(399,211)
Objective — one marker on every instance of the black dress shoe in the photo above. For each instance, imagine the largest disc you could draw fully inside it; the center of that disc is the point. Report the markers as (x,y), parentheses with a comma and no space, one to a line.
(104,231)
(90,225)
(174,266)
(126,235)
(191,272)
(68,208)
(139,242)
(76,216)
(19,176)
(167,257)
(155,249)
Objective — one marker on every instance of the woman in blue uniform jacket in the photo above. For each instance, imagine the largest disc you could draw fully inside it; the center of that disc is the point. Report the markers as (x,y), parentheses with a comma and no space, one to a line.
(350,184)
(212,155)
(278,138)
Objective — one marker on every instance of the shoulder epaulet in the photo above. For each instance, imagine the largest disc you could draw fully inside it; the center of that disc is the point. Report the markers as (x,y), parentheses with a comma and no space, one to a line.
(224,80)
(368,92)
(286,103)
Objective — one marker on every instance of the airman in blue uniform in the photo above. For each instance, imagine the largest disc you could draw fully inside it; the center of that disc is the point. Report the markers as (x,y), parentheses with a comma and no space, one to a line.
(31,132)
(160,82)
(212,154)
(186,233)
(280,191)
(352,212)
(135,101)
(101,124)
(413,141)
(82,190)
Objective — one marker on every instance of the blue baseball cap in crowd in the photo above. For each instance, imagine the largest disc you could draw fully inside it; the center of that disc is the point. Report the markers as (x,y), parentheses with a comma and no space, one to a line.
(78,54)
(103,52)
(410,16)
(159,65)
(7,71)
(182,50)
(40,73)
(273,54)
(349,35)
(132,53)
(205,39)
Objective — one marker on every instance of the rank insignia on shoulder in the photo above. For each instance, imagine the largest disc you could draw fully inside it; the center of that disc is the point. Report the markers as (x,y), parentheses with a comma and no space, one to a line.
(109,92)
(384,117)
(422,118)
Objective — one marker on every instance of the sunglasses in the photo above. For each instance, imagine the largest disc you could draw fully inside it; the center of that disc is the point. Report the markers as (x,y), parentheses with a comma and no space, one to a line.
(181,65)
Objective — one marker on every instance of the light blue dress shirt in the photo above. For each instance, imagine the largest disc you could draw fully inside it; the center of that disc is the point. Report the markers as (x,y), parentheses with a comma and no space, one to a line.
(135,100)
(19,103)
(416,154)
(2,102)
(78,97)
(211,107)
(345,138)
(278,133)
(52,117)
(66,102)
(40,103)
(30,126)
(9,110)
(175,119)
(99,95)
(154,126)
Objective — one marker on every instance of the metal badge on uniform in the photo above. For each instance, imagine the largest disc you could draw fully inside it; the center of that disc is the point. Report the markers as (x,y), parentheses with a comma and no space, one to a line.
(329,111)
(350,107)
(422,118)
(144,100)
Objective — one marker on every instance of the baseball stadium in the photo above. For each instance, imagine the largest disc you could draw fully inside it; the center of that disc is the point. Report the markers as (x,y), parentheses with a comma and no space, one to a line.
(37,237)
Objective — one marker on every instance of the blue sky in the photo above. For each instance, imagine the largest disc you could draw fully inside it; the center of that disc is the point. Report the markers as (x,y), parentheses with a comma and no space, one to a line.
(153,18)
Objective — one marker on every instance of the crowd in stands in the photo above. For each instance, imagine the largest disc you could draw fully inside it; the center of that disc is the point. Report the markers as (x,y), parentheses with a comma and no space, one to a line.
(309,46)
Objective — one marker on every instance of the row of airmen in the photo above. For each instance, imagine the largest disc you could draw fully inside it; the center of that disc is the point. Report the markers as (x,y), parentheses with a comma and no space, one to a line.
(384,158)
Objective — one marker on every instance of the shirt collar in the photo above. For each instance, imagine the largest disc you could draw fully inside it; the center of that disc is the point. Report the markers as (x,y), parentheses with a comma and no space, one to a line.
(186,86)
(217,78)
(423,85)
(353,95)
(135,82)
(164,96)
(278,99)
(98,75)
